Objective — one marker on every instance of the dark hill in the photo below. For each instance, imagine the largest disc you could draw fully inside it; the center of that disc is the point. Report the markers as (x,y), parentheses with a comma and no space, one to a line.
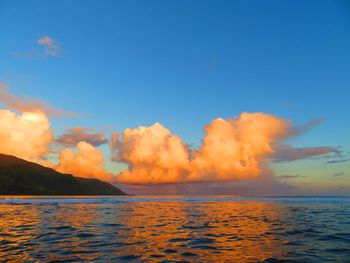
(20,177)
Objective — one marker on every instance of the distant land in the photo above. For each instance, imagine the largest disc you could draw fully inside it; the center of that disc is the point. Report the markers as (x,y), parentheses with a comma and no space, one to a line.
(20,177)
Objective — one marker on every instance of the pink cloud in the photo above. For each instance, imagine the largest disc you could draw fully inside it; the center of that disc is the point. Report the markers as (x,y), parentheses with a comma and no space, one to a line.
(25,104)
(286,153)
(75,135)
(50,45)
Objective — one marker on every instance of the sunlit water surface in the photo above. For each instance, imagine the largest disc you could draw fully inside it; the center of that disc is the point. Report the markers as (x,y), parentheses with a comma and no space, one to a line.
(174,229)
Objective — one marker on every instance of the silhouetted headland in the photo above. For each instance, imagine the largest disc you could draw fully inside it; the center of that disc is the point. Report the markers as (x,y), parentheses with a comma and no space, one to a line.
(20,177)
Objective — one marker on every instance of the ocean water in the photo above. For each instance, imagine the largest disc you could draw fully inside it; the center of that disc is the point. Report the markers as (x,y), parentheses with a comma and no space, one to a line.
(174,229)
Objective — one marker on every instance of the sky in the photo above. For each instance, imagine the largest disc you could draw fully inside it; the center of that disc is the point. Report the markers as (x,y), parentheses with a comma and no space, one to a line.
(79,71)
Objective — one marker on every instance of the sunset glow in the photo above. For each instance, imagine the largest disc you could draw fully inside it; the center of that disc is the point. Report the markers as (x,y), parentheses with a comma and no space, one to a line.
(175,131)
(149,97)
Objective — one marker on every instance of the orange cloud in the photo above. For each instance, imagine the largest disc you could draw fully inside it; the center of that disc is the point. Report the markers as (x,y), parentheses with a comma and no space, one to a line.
(154,155)
(25,135)
(232,149)
(28,136)
(86,162)
(238,148)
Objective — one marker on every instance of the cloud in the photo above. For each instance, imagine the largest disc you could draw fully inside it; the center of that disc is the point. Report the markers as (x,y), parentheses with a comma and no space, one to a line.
(338,161)
(51,46)
(289,176)
(26,54)
(25,135)
(301,129)
(338,174)
(153,153)
(265,184)
(344,188)
(3,86)
(28,135)
(75,135)
(25,104)
(238,148)
(114,145)
(233,149)
(286,153)
(234,154)
(86,162)
(47,46)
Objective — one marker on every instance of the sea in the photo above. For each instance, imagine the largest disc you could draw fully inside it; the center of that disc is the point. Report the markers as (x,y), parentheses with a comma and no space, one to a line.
(174,229)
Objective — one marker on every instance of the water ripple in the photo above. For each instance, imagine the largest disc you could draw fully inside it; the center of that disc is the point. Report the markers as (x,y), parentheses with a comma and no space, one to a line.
(175,230)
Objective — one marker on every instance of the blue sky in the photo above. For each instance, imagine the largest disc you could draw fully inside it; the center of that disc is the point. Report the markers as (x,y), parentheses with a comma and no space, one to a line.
(182,63)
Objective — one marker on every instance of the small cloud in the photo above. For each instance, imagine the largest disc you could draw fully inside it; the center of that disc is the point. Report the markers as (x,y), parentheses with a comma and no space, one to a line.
(338,161)
(338,174)
(75,135)
(344,188)
(50,45)
(286,153)
(26,54)
(3,86)
(25,104)
(289,176)
(214,62)
(301,129)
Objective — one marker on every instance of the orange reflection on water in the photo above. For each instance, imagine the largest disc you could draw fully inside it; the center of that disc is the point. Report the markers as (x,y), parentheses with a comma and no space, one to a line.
(16,230)
(238,231)
(145,231)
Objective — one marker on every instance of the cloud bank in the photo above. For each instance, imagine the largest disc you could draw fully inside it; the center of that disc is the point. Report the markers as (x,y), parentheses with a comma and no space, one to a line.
(233,149)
